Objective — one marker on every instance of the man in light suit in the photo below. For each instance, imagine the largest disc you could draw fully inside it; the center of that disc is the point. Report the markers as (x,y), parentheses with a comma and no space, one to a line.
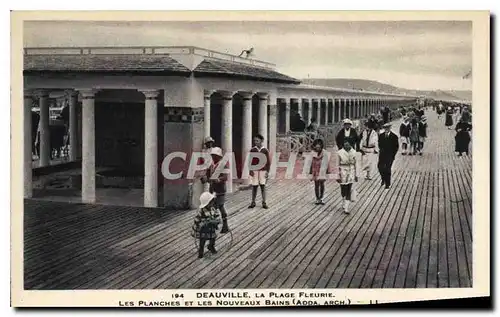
(388,145)
(369,150)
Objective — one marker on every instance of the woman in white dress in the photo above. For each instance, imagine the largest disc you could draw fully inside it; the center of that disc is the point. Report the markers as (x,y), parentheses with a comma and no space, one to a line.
(348,173)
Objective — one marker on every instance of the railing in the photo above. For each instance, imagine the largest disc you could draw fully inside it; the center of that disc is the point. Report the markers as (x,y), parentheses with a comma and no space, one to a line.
(299,142)
(147,50)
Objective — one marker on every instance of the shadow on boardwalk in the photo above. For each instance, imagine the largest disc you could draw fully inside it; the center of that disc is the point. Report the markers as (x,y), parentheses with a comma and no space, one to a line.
(416,234)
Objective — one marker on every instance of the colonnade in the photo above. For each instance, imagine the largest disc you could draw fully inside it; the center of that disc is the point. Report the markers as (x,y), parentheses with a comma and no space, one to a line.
(328,110)
(88,144)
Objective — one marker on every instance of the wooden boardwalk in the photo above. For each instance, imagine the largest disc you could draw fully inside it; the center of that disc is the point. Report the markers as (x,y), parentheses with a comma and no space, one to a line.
(416,234)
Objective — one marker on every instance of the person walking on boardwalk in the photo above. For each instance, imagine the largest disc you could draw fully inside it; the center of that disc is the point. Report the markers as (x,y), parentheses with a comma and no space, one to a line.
(422,134)
(347,134)
(369,150)
(320,168)
(466,116)
(206,223)
(388,147)
(462,138)
(440,110)
(208,144)
(217,184)
(414,138)
(386,112)
(449,118)
(259,178)
(348,173)
(404,133)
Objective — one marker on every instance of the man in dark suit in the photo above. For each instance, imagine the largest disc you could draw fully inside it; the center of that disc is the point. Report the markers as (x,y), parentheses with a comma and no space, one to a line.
(388,147)
(347,134)
(386,112)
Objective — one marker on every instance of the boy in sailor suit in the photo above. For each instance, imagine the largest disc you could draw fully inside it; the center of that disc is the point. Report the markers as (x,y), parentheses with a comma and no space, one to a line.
(369,150)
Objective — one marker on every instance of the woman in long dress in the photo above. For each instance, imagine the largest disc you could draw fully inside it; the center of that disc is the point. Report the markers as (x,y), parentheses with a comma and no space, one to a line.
(449,118)
(462,138)
(348,173)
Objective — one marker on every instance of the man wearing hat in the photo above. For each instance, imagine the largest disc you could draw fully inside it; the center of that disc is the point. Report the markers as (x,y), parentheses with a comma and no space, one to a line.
(217,184)
(347,134)
(386,112)
(208,144)
(369,143)
(388,147)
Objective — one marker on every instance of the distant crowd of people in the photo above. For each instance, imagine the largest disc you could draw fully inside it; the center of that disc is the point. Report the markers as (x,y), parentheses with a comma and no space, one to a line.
(461,114)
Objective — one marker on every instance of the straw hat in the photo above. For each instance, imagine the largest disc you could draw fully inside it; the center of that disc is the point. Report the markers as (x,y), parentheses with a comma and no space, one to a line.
(386,125)
(216,151)
(206,198)
(347,121)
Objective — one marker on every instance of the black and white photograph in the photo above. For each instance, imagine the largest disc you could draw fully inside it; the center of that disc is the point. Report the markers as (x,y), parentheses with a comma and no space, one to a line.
(252,162)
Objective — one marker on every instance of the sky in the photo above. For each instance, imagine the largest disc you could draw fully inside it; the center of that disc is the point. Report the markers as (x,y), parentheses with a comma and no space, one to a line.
(424,55)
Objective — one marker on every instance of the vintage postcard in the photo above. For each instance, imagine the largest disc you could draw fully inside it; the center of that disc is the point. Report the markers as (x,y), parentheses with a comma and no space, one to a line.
(248,159)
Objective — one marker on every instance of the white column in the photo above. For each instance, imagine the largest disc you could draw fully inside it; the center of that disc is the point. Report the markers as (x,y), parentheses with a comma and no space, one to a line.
(287,115)
(28,143)
(339,102)
(45,151)
(246,135)
(299,107)
(318,112)
(327,107)
(150,148)
(263,101)
(206,113)
(88,146)
(73,125)
(227,132)
(272,107)
(309,110)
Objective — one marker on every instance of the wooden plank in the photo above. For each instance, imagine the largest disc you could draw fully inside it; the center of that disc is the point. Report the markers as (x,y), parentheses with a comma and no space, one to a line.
(461,260)
(401,234)
(443,277)
(384,233)
(366,191)
(188,262)
(366,251)
(432,260)
(248,239)
(166,238)
(388,249)
(333,259)
(349,266)
(407,271)
(453,278)
(299,246)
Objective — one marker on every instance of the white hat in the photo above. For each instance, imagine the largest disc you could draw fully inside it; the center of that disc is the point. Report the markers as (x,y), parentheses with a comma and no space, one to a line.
(206,198)
(217,151)
(208,139)
(347,121)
